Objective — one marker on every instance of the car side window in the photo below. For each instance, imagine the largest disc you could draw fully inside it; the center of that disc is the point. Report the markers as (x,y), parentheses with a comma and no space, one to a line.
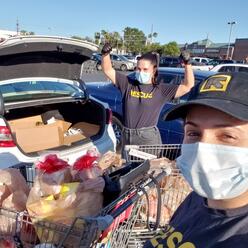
(185,97)
(168,78)
(197,80)
(227,69)
(243,69)
(114,57)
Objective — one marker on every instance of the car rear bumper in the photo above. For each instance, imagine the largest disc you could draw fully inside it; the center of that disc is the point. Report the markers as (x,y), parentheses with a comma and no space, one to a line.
(13,155)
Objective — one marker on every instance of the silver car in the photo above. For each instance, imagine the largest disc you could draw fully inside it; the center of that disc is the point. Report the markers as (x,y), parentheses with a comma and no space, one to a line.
(122,63)
(44,106)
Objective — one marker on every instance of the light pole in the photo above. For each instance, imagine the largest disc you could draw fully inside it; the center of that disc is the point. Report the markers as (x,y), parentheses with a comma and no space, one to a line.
(229,23)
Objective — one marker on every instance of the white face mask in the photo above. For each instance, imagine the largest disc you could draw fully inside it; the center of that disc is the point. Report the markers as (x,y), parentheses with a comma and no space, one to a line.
(143,77)
(215,171)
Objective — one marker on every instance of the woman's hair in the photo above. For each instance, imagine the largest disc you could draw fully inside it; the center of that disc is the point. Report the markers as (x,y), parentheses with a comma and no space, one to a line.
(153,57)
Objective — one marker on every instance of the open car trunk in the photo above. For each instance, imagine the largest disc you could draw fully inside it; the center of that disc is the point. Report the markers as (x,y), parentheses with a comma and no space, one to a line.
(33,74)
(56,126)
(36,56)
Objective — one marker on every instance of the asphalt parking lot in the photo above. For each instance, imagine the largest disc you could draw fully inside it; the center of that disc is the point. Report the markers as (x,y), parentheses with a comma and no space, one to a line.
(96,76)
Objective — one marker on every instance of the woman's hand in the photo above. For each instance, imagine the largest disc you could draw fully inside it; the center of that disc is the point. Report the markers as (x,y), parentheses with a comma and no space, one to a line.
(107,48)
(185,57)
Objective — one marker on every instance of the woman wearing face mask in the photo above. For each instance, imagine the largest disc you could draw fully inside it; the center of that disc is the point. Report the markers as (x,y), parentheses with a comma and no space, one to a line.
(143,97)
(214,160)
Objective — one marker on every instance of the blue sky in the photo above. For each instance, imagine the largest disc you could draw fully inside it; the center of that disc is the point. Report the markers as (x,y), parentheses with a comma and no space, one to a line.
(174,20)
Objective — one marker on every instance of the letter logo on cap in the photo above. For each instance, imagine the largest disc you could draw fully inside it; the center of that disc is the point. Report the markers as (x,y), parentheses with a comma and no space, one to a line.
(216,83)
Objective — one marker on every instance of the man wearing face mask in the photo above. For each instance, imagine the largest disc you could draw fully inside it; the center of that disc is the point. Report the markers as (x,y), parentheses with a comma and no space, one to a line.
(143,97)
(214,161)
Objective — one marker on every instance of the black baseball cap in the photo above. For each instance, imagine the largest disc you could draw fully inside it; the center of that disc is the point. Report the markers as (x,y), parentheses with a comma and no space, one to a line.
(227,92)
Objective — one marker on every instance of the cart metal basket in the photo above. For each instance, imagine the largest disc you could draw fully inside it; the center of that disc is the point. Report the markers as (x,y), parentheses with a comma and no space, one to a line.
(111,228)
(173,189)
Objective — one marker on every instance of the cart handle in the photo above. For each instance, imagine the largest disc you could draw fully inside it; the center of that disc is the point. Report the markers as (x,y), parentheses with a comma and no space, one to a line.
(139,193)
(104,222)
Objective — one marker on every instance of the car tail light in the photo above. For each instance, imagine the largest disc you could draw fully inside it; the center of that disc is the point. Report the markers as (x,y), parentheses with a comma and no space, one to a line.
(109,116)
(6,137)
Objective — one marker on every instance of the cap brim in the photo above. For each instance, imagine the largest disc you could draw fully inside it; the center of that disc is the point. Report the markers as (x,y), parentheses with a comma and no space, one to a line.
(234,109)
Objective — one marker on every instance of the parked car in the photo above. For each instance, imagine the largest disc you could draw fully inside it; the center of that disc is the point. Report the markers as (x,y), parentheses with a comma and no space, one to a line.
(227,61)
(171,131)
(213,62)
(170,62)
(133,58)
(42,97)
(119,62)
(122,63)
(201,59)
(98,60)
(201,66)
(230,68)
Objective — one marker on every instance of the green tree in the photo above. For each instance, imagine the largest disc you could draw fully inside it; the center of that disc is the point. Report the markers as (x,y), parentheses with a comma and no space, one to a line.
(113,38)
(171,49)
(154,47)
(134,40)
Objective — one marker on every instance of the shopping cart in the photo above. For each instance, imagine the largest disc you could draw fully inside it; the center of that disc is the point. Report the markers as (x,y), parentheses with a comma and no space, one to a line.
(173,189)
(111,228)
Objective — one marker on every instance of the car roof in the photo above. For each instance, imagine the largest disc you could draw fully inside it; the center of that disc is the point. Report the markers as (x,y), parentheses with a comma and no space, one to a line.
(198,73)
(233,64)
(200,58)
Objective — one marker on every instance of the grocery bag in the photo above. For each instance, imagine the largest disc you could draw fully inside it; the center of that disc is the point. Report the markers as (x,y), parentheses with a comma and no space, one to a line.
(61,193)
(13,196)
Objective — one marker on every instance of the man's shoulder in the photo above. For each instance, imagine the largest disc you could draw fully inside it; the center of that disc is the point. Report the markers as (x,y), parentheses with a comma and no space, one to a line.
(194,199)
(191,202)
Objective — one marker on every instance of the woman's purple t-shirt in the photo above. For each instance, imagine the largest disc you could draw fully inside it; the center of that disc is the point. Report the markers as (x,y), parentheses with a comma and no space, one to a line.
(142,103)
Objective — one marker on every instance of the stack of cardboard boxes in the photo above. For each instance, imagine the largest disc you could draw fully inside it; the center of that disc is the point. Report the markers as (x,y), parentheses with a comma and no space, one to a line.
(33,135)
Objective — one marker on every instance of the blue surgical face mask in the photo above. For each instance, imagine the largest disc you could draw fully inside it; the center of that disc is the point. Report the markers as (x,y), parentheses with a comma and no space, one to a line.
(215,171)
(143,77)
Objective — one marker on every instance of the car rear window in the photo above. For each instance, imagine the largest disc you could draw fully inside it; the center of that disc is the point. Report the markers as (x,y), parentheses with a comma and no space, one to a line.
(243,69)
(35,89)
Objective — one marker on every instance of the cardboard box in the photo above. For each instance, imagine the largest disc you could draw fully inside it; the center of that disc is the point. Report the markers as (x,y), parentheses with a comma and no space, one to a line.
(32,135)
(41,137)
(68,140)
(32,121)
(62,125)
(35,139)
(87,129)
